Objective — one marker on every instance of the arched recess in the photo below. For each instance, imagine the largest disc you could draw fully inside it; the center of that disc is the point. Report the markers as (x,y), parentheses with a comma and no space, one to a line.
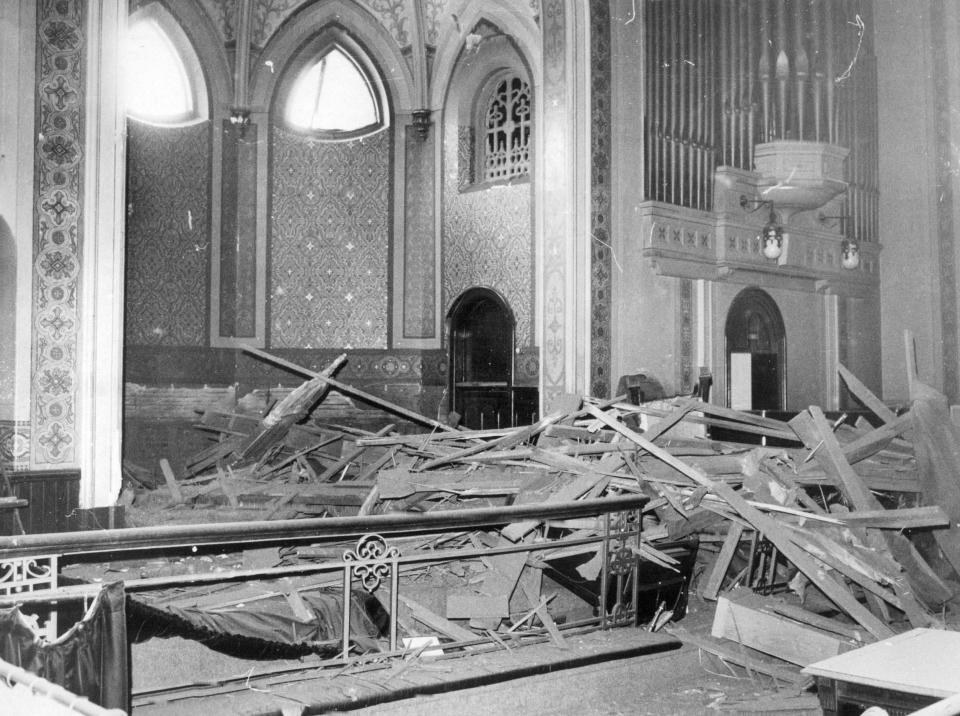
(353,22)
(173,176)
(331,224)
(506,15)
(487,228)
(481,329)
(203,37)
(756,352)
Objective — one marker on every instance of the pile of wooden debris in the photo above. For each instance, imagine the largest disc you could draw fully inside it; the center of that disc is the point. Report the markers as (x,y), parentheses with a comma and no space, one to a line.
(839,535)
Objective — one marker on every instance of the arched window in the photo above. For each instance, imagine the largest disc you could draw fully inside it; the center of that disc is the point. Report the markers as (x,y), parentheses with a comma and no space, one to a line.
(163,80)
(335,96)
(505,132)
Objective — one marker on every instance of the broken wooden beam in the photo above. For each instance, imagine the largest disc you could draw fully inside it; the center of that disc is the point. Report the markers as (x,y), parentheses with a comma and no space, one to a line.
(769,528)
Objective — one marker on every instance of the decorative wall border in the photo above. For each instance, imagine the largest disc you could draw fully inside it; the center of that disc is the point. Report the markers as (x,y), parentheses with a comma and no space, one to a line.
(59,163)
(555,113)
(600,149)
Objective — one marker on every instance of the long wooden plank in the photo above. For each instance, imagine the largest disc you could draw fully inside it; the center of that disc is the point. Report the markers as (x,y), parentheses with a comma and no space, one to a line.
(720,565)
(350,390)
(815,431)
(769,528)
(744,621)
(343,462)
(507,441)
(938,458)
(437,622)
(736,655)
(876,440)
(862,393)
(175,492)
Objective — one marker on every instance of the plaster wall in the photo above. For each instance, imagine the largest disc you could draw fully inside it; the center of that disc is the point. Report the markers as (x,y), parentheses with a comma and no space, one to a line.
(908,228)
(17,57)
(644,325)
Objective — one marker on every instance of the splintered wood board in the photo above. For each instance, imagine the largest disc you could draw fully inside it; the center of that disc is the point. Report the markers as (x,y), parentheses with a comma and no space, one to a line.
(920,661)
(745,622)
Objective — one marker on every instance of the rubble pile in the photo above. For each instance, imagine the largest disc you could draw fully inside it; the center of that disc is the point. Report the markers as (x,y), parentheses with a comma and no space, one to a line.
(825,536)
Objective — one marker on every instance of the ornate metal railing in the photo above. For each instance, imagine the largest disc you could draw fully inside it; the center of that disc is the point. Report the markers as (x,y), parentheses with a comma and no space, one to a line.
(370,563)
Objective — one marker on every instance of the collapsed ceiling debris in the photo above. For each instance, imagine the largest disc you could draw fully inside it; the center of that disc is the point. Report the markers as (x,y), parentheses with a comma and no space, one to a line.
(827,536)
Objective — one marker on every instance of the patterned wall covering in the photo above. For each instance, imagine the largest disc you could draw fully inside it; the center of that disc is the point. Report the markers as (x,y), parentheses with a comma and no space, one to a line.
(168,233)
(329,242)
(59,162)
(487,241)
(943,112)
(419,261)
(600,284)
(15,444)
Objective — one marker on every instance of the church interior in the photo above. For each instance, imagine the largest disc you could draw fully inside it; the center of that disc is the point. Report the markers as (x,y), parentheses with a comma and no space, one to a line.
(493,208)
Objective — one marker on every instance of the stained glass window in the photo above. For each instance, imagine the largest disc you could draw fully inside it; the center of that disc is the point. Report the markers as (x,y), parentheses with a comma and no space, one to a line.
(507,126)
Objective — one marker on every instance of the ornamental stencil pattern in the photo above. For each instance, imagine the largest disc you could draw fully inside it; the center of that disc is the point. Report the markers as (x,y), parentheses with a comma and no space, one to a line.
(168,234)
(488,241)
(555,117)
(330,242)
(57,238)
(419,252)
(600,284)
(433,10)
(268,15)
(393,16)
(15,444)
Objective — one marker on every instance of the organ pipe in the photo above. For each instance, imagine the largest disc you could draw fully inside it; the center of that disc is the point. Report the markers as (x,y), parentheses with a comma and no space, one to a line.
(725,75)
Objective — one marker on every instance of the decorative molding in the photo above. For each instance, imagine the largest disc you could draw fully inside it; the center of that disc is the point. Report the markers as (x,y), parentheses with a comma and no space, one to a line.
(363,367)
(59,163)
(685,320)
(695,244)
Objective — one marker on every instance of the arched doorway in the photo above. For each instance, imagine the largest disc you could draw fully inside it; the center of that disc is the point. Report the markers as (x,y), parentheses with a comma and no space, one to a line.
(481,359)
(756,348)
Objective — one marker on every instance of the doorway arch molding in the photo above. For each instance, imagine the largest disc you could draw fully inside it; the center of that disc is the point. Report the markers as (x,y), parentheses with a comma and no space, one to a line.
(481,331)
(754,327)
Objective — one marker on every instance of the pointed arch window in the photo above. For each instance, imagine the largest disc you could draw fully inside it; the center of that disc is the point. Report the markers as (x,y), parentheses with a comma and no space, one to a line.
(163,78)
(334,95)
(505,132)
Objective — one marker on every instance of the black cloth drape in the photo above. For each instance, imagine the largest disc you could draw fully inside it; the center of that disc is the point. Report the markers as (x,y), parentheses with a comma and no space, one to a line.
(266,629)
(90,659)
